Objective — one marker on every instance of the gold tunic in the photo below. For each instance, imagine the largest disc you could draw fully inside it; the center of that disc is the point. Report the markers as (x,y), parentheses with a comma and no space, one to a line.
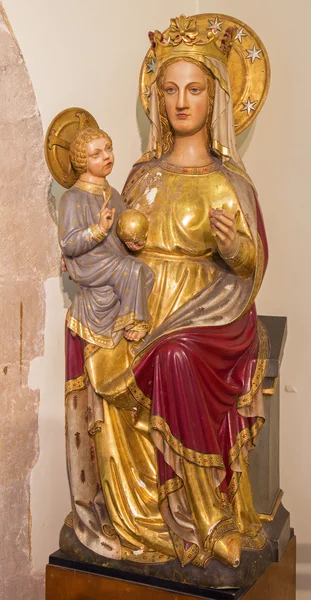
(180,247)
(139,519)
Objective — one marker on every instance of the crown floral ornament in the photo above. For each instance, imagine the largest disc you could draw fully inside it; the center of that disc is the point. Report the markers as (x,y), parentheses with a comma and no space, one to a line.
(185,38)
(183,29)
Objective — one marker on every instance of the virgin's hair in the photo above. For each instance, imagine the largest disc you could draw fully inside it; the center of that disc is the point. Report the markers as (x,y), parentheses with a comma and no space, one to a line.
(167,132)
(78,157)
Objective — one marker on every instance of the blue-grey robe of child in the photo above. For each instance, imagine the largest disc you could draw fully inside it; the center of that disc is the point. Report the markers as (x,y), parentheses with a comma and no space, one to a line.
(113,285)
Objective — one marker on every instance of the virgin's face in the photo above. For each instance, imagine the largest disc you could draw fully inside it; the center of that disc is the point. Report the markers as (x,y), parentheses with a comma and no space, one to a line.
(186,97)
(100,157)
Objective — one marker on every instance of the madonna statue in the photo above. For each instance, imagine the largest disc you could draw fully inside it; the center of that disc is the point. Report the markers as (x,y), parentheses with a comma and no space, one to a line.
(159,430)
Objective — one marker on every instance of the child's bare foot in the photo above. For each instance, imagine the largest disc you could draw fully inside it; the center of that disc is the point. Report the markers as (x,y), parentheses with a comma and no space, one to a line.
(134,336)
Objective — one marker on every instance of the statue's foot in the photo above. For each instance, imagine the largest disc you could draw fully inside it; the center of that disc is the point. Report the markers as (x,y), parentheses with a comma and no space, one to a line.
(134,336)
(228,549)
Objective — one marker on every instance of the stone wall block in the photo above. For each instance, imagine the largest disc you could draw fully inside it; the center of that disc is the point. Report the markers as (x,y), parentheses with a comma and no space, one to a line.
(22,146)
(15,549)
(9,50)
(31,248)
(15,93)
(20,321)
(19,427)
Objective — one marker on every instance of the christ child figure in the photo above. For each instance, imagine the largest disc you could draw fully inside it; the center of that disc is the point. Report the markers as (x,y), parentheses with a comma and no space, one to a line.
(113,285)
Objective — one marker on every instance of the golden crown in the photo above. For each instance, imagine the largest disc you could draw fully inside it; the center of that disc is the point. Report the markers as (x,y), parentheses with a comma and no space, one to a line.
(183,37)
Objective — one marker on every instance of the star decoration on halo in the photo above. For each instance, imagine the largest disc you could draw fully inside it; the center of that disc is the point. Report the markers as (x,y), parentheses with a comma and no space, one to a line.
(215,24)
(241,34)
(253,54)
(249,106)
(151,65)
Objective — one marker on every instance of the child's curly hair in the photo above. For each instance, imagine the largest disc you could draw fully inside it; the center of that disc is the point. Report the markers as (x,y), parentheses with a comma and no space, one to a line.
(78,147)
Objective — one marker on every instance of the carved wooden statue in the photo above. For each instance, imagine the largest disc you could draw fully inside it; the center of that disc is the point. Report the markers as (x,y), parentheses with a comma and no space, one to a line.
(165,355)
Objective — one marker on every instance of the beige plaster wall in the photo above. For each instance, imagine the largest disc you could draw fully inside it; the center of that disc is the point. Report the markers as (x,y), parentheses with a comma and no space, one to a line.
(91,57)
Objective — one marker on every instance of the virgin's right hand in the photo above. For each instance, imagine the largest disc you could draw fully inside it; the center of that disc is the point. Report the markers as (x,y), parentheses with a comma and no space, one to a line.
(106,217)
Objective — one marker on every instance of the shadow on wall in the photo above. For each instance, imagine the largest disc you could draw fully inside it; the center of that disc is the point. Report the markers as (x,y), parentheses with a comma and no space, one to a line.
(243,140)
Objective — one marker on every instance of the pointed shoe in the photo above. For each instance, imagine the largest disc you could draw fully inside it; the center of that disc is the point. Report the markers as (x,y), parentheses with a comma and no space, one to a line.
(228,549)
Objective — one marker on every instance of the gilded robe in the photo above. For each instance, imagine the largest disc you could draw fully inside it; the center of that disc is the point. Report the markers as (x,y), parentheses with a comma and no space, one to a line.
(165,468)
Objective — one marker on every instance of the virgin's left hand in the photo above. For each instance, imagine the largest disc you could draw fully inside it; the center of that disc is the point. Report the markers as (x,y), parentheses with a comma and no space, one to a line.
(135,246)
(224,227)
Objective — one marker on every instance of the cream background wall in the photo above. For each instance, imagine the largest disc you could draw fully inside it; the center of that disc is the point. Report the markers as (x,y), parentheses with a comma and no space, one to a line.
(89,55)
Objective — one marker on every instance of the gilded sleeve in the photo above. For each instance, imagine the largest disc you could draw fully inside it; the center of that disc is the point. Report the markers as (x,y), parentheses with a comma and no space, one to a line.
(244,261)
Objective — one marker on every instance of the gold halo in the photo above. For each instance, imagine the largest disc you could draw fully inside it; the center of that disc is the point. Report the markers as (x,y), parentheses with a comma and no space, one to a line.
(248,68)
(59,136)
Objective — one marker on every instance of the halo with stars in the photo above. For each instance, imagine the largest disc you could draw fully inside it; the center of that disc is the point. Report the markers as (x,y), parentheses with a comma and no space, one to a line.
(248,68)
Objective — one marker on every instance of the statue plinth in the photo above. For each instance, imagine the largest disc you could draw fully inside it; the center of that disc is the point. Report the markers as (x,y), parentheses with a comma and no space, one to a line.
(69,580)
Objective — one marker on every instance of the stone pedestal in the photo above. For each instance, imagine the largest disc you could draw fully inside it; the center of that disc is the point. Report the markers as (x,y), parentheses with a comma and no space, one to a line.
(65,580)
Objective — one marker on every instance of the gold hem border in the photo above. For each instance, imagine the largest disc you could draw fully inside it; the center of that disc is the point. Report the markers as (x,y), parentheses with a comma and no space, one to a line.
(88,335)
(147,558)
(193,456)
(89,350)
(243,437)
(123,321)
(136,392)
(220,149)
(99,340)
(254,543)
(271,391)
(131,319)
(73,385)
(172,168)
(262,359)
(185,556)
(94,188)
(234,485)
(69,520)
(257,427)
(170,486)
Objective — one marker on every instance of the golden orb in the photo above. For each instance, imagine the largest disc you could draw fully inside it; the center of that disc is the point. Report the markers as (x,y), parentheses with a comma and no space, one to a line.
(132,226)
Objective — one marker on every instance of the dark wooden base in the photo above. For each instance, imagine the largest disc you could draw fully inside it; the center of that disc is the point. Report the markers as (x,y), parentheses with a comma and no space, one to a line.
(277,583)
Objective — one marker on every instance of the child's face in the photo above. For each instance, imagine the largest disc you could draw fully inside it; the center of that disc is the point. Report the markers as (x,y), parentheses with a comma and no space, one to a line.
(100,157)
